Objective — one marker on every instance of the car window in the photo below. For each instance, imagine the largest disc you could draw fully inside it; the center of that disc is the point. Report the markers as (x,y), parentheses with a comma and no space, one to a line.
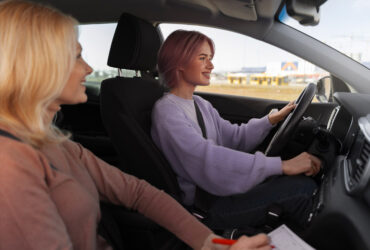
(95,40)
(248,67)
(344,25)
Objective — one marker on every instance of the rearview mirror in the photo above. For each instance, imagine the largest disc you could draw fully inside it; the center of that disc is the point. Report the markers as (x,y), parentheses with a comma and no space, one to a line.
(306,12)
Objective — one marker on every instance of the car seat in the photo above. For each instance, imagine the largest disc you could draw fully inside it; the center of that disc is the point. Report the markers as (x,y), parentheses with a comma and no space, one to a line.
(126,103)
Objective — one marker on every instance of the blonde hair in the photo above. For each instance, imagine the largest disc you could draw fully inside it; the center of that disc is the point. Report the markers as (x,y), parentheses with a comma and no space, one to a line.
(37,53)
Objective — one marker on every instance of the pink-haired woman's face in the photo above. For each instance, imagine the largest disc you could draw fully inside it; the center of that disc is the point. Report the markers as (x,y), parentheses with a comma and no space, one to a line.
(198,70)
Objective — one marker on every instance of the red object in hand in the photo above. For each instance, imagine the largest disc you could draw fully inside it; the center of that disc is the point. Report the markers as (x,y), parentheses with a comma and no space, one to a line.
(223,241)
(227,242)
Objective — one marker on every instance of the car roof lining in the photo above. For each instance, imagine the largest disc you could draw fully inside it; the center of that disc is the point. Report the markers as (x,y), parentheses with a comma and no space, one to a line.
(213,13)
(85,10)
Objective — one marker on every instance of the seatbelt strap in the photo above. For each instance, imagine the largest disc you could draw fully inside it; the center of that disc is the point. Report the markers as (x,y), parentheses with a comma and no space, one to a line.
(200,120)
(202,200)
(273,217)
(9,135)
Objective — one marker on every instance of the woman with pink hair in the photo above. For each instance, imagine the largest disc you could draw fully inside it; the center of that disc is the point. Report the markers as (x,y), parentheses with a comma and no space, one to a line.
(209,153)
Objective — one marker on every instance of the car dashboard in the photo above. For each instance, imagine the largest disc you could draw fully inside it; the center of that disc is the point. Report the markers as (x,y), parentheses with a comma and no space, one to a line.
(350,124)
(340,219)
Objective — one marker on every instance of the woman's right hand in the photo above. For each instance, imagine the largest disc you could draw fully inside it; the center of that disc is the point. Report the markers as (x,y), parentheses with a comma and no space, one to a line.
(303,163)
(258,242)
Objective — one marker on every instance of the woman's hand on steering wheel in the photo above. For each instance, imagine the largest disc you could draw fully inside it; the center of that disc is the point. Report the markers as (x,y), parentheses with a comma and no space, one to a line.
(303,163)
(287,128)
(280,115)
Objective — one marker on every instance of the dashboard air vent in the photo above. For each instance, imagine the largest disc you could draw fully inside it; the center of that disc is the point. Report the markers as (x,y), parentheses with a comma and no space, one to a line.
(361,161)
(357,165)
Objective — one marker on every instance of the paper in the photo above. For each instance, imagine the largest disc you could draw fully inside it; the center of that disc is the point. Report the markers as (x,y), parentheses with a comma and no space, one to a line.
(282,238)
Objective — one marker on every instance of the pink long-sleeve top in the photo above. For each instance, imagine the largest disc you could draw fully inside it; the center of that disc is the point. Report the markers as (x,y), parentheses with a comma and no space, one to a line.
(46,208)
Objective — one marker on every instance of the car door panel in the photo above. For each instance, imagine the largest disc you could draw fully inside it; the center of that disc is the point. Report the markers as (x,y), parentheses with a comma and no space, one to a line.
(240,109)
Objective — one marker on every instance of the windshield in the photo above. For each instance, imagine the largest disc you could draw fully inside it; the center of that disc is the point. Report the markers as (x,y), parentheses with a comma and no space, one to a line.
(344,25)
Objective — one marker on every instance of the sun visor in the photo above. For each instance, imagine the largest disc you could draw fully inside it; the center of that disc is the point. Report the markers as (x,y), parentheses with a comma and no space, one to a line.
(241,9)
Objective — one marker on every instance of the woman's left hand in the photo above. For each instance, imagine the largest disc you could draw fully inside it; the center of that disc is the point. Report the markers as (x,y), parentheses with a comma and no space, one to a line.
(276,117)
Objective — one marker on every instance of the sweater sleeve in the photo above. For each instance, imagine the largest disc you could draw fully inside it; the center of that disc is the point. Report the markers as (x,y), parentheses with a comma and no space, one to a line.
(122,189)
(29,218)
(244,137)
(217,169)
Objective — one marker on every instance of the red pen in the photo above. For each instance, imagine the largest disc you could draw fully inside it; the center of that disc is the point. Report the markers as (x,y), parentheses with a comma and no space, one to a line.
(227,242)
(223,241)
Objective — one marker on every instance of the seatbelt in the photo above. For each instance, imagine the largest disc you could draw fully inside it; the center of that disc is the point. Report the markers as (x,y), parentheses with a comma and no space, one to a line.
(9,135)
(200,120)
(202,200)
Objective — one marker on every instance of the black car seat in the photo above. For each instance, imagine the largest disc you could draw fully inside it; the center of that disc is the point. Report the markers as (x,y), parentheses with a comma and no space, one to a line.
(126,103)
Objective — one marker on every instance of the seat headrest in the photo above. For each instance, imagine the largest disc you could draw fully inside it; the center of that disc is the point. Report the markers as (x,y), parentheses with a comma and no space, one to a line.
(135,44)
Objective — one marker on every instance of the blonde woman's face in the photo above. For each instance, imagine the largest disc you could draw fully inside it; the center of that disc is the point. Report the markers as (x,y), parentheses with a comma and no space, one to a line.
(74,90)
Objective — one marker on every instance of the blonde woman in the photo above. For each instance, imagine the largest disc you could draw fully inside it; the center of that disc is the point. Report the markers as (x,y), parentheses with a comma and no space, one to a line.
(50,187)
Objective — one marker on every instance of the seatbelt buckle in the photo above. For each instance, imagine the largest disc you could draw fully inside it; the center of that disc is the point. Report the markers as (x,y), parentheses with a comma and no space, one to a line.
(198,213)
(273,216)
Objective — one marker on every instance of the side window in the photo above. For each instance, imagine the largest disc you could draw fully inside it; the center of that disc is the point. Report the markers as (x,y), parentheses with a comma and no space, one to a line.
(95,40)
(248,67)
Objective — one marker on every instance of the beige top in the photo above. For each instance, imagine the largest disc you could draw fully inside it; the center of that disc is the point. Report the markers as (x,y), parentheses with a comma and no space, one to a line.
(46,208)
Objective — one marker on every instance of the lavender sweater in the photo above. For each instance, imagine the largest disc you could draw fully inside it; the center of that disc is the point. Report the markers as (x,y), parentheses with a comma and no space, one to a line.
(219,164)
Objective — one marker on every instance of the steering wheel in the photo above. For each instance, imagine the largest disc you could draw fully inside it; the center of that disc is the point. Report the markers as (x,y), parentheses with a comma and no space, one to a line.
(285,131)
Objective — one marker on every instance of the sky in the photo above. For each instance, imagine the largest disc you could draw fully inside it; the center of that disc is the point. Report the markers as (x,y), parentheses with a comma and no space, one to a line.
(344,24)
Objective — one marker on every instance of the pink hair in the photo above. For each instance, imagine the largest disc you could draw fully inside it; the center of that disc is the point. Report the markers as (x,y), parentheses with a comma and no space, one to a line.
(178,49)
